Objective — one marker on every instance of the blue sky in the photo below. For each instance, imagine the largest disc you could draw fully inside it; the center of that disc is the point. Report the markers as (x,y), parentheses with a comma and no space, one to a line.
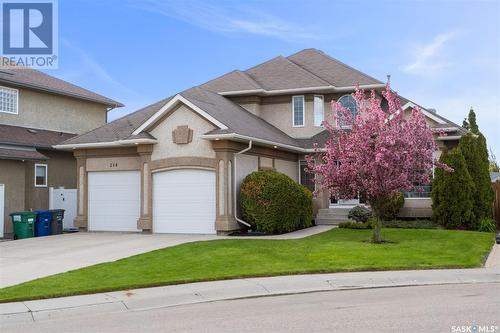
(441,54)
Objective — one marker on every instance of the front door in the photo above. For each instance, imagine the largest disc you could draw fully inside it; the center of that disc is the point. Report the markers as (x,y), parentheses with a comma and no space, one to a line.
(345,202)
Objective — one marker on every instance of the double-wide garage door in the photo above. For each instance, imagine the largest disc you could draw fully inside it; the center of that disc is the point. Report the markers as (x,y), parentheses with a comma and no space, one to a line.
(183,201)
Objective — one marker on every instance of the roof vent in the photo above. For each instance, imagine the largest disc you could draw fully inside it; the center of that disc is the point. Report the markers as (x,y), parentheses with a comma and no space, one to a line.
(432,110)
(32,131)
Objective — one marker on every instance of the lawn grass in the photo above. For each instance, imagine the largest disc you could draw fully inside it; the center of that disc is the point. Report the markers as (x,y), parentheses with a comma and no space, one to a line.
(337,250)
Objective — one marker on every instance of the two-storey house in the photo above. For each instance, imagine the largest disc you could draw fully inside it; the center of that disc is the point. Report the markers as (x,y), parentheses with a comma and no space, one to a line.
(38,111)
(176,166)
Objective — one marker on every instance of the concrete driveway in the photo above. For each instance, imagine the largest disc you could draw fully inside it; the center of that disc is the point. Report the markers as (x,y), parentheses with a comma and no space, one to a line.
(27,259)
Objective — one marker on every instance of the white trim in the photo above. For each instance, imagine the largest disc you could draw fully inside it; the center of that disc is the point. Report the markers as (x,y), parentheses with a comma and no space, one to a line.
(425,112)
(322,110)
(303,111)
(17,100)
(261,141)
(46,174)
(2,209)
(447,138)
(328,88)
(167,107)
(117,143)
(444,129)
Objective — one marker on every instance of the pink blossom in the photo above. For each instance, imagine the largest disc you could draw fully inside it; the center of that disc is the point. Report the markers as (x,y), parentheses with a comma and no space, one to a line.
(376,152)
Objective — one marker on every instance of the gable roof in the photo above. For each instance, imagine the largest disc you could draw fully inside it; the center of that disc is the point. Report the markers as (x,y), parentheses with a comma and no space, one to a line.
(232,120)
(331,70)
(30,78)
(309,69)
(119,129)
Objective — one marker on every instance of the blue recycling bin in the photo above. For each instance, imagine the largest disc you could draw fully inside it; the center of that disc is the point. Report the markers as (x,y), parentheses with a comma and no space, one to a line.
(43,223)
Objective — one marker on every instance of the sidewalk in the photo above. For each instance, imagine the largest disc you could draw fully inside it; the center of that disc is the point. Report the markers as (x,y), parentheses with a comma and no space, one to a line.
(150,298)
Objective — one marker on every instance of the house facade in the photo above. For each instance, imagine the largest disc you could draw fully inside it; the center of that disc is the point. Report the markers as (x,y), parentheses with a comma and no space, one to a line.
(176,166)
(38,111)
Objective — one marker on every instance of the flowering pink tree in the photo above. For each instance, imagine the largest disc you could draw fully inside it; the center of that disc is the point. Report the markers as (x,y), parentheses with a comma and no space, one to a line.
(376,152)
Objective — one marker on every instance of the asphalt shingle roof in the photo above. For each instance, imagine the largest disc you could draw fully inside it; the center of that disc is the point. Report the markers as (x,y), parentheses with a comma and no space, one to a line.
(22,136)
(122,128)
(31,78)
(307,68)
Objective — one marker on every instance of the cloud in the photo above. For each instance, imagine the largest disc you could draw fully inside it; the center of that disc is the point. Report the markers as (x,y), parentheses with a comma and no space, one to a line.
(89,65)
(232,18)
(429,58)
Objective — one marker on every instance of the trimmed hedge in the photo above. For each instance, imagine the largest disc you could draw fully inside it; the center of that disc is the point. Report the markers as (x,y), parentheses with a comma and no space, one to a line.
(274,203)
(392,206)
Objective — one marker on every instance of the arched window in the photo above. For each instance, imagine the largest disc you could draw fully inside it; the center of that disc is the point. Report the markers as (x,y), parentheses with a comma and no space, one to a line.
(348,102)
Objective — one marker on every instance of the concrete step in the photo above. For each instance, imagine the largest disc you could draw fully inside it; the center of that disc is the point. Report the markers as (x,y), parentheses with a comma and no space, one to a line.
(332,215)
(330,221)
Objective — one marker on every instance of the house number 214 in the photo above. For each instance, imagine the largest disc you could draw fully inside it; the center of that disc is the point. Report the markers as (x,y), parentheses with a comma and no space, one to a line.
(113,165)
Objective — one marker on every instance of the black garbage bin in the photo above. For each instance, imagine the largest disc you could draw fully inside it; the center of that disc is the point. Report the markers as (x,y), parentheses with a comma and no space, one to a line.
(57,221)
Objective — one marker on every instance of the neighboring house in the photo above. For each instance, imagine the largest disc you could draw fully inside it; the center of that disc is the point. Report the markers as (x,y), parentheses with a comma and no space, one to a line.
(176,166)
(495,176)
(38,111)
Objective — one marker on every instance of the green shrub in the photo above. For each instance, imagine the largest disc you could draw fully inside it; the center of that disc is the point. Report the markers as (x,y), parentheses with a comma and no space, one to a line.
(410,224)
(355,225)
(391,207)
(273,203)
(487,225)
(452,193)
(475,152)
(404,224)
(360,214)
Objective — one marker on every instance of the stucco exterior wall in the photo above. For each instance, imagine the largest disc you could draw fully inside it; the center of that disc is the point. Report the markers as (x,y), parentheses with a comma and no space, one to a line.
(12,176)
(55,112)
(289,168)
(277,110)
(417,207)
(61,171)
(166,148)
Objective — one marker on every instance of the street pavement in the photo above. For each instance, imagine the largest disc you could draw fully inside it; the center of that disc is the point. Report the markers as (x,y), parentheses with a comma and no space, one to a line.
(436,308)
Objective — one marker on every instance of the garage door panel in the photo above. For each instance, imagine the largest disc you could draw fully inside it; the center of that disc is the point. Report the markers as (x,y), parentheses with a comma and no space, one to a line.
(114,200)
(184,201)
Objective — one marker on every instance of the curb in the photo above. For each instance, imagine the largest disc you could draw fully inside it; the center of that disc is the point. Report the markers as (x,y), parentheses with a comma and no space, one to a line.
(203,292)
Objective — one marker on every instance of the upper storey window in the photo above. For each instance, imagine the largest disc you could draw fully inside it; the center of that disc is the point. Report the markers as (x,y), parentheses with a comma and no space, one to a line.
(8,100)
(298,110)
(348,102)
(319,110)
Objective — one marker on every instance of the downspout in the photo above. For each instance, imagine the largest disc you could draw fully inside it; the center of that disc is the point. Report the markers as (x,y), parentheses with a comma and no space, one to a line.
(234,183)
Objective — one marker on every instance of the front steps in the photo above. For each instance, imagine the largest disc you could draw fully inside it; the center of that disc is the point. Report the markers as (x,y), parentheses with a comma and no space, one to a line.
(333,215)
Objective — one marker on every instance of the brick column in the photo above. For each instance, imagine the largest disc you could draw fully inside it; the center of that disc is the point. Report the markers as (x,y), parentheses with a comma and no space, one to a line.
(145,221)
(81,219)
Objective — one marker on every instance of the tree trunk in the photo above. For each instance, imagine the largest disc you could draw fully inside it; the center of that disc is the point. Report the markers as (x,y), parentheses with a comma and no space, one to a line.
(377,204)
(377,228)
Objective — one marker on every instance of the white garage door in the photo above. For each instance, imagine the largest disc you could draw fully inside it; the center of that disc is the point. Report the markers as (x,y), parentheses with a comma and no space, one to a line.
(114,200)
(184,201)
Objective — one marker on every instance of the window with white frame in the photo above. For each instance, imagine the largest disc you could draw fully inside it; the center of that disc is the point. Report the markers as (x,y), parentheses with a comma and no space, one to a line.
(40,175)
(348,102)
(319,110)
(8,100)
(298,110)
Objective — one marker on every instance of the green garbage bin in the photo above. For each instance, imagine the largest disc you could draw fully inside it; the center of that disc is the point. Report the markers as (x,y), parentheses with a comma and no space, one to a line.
(23,224)
(57,221)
